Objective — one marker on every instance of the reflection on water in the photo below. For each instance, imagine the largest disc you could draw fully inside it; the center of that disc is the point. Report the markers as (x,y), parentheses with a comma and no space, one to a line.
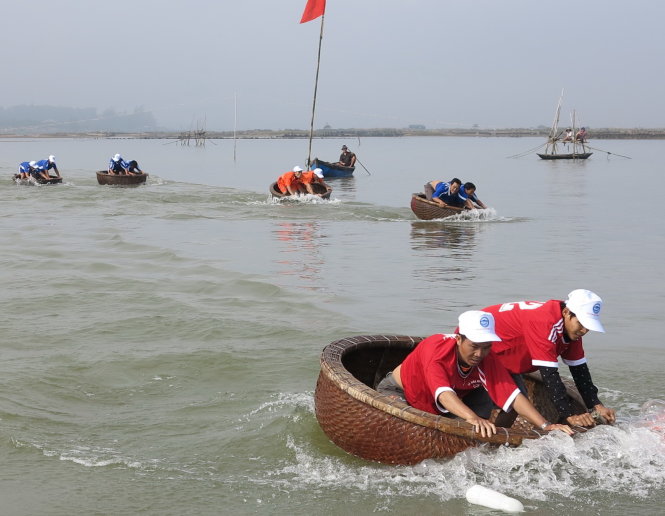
(446,248)
(342,184)
(299,251)
(458,238)
(565,179)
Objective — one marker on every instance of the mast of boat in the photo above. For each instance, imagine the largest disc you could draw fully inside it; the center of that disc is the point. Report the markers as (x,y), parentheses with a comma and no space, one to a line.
(573,121)
(314,9)
(551,142)
(581,142)
(316,85)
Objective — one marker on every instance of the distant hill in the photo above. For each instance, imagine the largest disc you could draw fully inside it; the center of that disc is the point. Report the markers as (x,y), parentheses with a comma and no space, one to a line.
(53,119)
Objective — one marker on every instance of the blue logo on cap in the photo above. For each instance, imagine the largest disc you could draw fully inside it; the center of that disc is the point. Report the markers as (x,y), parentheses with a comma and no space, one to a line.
(596,308)
(484,321)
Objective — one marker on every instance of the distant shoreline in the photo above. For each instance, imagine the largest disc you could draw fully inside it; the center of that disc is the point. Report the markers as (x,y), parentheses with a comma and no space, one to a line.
(593,134)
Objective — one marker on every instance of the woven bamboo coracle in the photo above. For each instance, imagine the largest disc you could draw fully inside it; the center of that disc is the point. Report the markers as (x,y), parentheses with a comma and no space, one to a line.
(318,188)
(377,427)
(428,210)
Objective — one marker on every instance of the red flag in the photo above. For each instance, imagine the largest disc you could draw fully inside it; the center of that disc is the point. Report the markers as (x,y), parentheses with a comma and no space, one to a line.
(313,10)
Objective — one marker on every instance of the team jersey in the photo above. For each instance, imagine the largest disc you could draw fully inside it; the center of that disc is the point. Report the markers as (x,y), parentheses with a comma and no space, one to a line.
(464,196)
(24,167)
(309,177)
(432,368)
(532,336)
(442,191)
(44,164)
(118,166)
(288,179)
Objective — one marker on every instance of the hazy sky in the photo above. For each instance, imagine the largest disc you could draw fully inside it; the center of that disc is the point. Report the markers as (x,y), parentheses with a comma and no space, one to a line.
(385,63)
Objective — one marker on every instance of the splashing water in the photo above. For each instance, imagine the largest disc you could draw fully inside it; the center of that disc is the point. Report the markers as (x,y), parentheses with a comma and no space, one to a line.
(627,459)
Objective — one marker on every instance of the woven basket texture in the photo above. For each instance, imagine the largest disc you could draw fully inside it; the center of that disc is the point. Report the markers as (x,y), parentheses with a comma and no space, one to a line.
(376,427)
(428,210)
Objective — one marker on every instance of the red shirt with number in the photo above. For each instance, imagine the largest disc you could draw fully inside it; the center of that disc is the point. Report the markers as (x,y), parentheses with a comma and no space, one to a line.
(432,368)
(532,336)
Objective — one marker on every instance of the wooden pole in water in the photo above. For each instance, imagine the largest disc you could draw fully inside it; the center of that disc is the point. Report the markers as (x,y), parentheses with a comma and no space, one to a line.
(235,123)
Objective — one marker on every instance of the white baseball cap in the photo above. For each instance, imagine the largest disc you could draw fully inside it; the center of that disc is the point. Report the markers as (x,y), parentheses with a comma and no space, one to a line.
(51,158)
(586,306)
(478,326)
(117,157)
(318,172)
(297,169)
(32,163)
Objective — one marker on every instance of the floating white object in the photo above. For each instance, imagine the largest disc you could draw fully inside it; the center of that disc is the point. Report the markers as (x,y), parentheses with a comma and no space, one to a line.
(486,497)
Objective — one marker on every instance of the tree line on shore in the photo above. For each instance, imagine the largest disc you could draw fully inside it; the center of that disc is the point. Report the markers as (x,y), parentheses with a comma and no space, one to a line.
(598,134)
(52,121)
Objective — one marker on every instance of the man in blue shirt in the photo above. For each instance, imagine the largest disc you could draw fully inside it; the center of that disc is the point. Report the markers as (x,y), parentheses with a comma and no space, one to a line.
(47,164)
(34,170)
(467,194)
(445,194)
(24,170)
(117,165)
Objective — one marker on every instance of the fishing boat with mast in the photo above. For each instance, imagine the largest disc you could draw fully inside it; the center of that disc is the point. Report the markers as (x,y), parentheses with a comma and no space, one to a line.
(571,141)
(315,9)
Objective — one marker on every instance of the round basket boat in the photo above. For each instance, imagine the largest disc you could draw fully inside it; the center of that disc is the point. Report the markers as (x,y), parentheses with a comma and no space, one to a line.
(376,427)
(52,180)
(104,178)
(429,210)
(317,187)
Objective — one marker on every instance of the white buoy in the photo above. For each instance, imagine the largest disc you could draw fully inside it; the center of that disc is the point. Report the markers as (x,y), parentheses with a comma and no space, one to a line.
(486,497)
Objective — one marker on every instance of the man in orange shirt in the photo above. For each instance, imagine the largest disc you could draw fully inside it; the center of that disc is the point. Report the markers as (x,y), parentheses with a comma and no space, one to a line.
(313,176)
(291,182)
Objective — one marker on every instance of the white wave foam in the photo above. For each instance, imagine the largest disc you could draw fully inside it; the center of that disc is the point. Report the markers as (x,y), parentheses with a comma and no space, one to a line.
(486,215)
(303,199)
(88,456)
(624,459)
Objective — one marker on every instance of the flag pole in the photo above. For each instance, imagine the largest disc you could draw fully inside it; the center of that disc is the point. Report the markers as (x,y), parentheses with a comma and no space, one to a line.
(316,84)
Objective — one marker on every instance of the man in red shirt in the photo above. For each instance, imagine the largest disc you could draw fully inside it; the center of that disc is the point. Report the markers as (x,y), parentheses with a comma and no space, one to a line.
(458,374)
(535,334)
(290,182)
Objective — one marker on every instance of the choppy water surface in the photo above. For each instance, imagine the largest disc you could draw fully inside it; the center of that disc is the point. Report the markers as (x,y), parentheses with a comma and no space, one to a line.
(161,344)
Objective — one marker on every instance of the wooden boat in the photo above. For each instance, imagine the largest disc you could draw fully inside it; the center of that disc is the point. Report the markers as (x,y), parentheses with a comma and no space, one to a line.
(583,155)
(332,169)
(429,210)
(317,187)
(54,180)
(104,178)
(376,427)
(554,141)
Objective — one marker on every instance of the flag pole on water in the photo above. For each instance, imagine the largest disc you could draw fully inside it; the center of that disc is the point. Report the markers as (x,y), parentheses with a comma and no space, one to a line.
(313,10)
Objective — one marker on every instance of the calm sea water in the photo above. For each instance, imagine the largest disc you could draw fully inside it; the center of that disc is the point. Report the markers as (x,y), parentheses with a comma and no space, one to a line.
(160,345)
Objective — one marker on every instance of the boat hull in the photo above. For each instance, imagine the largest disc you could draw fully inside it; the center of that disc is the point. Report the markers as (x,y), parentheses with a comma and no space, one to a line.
(39,180)
(317,187)
(376,427)
(429,210)
(579,155)
(104,178)
(332,169)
